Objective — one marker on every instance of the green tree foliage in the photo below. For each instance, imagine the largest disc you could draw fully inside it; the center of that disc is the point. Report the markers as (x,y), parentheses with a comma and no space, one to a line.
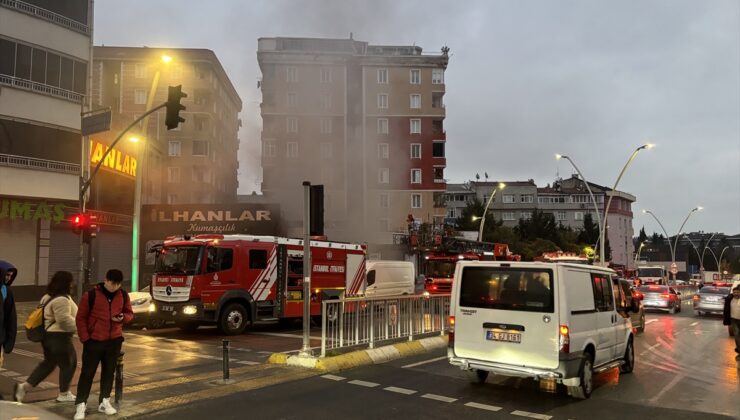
(590,233)
(475,209)
(642,237)
(540,226)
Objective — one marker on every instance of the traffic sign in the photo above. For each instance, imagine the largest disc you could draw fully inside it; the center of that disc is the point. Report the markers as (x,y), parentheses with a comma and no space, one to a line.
(674,269)
(96,121)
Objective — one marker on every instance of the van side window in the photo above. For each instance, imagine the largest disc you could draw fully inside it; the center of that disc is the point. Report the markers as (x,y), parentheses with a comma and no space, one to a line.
(371,277)
(603,294)
(257,259)
(219,259)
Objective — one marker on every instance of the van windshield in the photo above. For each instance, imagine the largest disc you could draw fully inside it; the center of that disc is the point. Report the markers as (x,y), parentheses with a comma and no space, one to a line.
(441,269)
(650,272)
(178,260)
(514,289)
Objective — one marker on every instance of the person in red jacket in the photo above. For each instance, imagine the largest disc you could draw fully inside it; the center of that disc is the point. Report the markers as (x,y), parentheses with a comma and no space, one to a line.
(102,312)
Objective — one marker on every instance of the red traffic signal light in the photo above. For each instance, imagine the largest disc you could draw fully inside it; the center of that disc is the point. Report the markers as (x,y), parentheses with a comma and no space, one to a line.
(80,222)
(173,118)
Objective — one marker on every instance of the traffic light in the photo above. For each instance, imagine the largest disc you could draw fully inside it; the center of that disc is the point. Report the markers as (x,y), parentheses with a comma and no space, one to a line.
(317,210)
(79,223)
(174,95)
(91,231)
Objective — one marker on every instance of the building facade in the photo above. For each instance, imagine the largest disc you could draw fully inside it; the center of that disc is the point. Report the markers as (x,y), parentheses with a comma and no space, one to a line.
(366,121)
(45,50)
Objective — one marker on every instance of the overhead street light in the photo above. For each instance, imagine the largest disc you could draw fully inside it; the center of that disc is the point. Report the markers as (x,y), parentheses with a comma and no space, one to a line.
(501,186)
(672,246)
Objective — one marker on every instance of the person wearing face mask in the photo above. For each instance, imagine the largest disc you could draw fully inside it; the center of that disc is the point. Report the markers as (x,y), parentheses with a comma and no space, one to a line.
(731,316)
(102,312)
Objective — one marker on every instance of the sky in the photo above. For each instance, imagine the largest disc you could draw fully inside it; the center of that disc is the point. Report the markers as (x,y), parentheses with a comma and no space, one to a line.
(527,79)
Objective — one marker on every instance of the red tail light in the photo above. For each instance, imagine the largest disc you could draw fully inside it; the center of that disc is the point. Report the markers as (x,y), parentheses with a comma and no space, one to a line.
(434,287)
(696,297)
(451,331)
(564,339)
(637,295)
(666,296)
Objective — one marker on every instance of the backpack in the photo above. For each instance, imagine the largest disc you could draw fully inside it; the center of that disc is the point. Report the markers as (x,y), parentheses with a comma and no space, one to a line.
(36,322)
(91,298)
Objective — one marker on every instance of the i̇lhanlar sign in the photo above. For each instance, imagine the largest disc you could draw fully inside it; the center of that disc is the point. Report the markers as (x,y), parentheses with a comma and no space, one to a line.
(167,220)
(31,211)
(116,160)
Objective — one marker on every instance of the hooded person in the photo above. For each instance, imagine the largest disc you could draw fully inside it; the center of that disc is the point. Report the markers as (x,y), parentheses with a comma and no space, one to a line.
(731,317)
(8,315)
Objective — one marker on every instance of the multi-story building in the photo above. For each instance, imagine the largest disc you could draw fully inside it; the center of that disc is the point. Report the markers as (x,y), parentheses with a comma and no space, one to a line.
(193,164)
(45,49)
(567,200)
(366,121)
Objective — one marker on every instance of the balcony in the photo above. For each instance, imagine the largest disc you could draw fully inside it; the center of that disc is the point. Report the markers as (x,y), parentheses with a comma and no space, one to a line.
(30,177)
(39,164)
(40,88)
(46,15)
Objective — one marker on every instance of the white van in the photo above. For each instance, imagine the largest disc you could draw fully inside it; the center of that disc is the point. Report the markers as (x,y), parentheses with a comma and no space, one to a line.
(389,278)
(538,320)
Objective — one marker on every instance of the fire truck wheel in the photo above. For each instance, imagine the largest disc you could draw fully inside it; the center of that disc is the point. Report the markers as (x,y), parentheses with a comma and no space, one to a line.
(233,319)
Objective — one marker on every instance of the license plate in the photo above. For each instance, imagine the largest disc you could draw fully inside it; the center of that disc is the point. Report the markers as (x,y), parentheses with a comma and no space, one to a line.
(504,336)
(167,308)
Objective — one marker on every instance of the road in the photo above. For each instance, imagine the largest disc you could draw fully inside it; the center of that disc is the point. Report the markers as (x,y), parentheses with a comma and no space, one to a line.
(685,369)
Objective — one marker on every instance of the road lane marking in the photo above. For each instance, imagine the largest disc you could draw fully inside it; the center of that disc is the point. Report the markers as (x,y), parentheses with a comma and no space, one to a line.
(694,324)
(192,378)
(10,373)
(650,321)
(334,377)
(439,398)
(667,388)
(483,406)
(649,349)
(530,415)
(363,383)
(403,391)
(282,335)
(248,362)
(436,359)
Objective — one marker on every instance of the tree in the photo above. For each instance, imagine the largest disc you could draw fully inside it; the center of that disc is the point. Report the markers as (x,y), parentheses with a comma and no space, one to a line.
(642,237)
(657,239)
(475,209)
(590,233)
(540,226)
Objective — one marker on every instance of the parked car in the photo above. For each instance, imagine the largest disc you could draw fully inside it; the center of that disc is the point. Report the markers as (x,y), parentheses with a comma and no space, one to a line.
(506,316)
(141,304)
(710,300)
(626,295)
(658,297)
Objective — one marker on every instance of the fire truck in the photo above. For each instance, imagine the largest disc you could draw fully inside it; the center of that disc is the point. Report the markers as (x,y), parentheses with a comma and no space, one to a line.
(562,256)
(234,280)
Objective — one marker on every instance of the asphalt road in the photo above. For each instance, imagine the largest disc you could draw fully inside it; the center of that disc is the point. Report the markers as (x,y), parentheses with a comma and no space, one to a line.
(685,369)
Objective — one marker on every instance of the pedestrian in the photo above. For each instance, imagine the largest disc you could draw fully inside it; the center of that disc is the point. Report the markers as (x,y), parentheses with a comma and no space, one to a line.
(8,316)
(103,311)
(731,316)
(59,326)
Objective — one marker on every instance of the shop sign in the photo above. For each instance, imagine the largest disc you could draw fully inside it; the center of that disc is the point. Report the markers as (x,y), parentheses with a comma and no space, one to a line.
(116,160)
(31,211)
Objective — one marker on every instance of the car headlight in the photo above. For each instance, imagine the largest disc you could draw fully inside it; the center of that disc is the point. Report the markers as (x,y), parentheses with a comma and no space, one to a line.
(190,310)
(138,302)
(152,307)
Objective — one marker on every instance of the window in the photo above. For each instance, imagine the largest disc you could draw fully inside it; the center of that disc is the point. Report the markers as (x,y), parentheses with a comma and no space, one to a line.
(603,293)
(382,150)
(326,150)
(7,58)
(508,215)
(139,70)
(171,198)
(526,215)
(415,126)
(438,76)
(415,151)
(257,259)
(451,213)
(52,69)
(526,198)
(384,201)
(438,149)
(292,125)
(438,100)
(325,75)
(383,176)
(268,149)
(80,77)
(67,80)
(382,125)
(219,259)
(509,198)
(291,74)
(415,101)
(292,99)
(504,288)
(174,148)
(415,77)
(173,174)
(38,66)
(23,63)
(326,126)
(578,215)
(561,215)
(200,148)
(325,101)
(382,76)
(416,176)
(382,100)
(292,150)
(140,96)
(415,201)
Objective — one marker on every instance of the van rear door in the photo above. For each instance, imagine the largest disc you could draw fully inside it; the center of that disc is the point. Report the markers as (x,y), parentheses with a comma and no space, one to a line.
(507,315)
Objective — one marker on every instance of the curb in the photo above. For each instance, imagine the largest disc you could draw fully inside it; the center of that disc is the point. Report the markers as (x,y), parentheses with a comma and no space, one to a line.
(362,357)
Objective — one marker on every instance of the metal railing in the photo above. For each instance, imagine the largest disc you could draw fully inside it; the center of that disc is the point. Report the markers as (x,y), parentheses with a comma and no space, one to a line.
(47,15)
(367,321)
(40,88)
(39,164)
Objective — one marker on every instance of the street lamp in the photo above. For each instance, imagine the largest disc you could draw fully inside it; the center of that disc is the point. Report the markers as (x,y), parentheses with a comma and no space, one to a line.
(588,188)
(602,239)
(701,263)
(672,246)
(705,250)
(501,186)
(639,250)
(719,261)
(135,231)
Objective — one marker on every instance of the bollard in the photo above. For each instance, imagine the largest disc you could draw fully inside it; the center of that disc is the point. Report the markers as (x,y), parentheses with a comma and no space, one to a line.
(226,359)
(119,378)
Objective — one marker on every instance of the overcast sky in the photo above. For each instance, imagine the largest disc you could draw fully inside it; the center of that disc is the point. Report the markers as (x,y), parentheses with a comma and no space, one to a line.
(526,79)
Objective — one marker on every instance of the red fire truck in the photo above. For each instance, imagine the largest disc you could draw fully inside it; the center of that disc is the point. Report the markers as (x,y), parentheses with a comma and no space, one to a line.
(234,280)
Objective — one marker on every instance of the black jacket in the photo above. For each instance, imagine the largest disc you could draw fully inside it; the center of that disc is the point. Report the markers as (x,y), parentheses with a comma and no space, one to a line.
(8,315)
(726,313)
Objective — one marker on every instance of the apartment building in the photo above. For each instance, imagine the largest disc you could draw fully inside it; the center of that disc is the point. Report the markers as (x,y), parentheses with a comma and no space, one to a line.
(45,49)
(366,121)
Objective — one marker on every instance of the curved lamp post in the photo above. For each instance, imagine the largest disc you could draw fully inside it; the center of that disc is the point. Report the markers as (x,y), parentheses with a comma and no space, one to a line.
(602,239)
(672,246)
(719,261)
(501,186)
(706,245)
(588,188)
(701,264)
(637,255)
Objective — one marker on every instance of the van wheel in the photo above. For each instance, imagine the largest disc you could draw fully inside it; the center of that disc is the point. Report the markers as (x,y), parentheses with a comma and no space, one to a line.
(187,326)
(583,391)
(480,376)
(233,319)
(628,363)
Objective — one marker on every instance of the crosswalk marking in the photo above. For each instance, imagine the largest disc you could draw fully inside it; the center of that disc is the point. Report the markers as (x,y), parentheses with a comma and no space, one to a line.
(364,383)
(483,406)
(403,391)
(334,377)
(531,415)
(439,398)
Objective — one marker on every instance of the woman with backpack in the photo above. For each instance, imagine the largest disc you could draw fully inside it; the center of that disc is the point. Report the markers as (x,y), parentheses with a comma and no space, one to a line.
(59,324)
